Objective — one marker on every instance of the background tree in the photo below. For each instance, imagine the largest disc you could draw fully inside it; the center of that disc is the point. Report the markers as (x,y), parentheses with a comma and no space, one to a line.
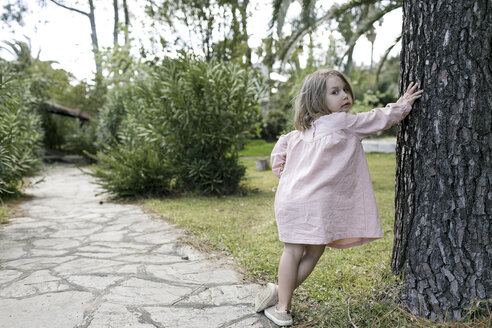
(443,203)
(363,12)
(219,25)
(92,19)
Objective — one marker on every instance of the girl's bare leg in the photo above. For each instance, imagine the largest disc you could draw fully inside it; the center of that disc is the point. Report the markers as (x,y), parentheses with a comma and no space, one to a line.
(296,264)
(287,274)
(309,260)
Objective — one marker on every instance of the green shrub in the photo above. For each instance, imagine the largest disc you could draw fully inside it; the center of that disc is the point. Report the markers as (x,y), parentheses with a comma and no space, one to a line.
(19,135)
(274,123)
(113,113)
(81,137)
(194,114)
(203,111)
(129,171)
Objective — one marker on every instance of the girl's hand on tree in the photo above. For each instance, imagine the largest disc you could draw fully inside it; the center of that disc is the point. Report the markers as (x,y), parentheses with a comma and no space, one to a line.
(411,95)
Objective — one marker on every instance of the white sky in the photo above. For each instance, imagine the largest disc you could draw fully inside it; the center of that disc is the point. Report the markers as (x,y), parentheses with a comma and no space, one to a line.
(64,36)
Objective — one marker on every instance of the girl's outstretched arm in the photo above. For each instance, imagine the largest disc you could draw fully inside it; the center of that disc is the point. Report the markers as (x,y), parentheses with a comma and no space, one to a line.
(365,124)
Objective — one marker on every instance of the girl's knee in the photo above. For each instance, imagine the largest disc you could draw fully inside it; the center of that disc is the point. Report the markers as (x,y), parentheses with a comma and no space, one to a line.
(295,250)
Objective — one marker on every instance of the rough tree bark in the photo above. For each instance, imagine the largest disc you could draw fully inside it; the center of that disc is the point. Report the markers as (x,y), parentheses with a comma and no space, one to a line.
(443,199)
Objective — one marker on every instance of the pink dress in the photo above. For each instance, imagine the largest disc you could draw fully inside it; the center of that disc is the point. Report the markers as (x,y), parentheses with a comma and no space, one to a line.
(325,194)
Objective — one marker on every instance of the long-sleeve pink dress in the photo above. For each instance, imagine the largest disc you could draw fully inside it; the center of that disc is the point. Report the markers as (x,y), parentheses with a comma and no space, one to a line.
(325,194)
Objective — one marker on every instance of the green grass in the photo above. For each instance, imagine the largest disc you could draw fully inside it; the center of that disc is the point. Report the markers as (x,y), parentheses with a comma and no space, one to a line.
(357,280)
(257,147)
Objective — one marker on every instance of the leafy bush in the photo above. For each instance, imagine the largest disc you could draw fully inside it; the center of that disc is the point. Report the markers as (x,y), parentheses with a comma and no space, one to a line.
(81,137)
(19,134)
(194,113)
(274,123)
(129,171)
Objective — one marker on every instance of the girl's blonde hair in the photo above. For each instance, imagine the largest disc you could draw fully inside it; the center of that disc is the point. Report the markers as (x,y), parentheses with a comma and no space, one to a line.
(310,100)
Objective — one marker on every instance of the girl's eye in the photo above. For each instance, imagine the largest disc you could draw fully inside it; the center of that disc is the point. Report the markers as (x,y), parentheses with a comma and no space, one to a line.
(345,90)
(335,92)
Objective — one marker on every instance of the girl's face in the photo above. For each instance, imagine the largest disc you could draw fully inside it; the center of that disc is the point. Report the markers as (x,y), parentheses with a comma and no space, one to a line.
(337,98)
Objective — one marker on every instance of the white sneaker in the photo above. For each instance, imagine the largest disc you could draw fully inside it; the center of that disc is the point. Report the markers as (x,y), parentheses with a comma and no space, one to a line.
(281,318)
(266,298)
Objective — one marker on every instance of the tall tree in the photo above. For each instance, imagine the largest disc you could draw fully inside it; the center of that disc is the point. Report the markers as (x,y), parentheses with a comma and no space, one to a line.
(116,25)
(365,20)
(127,20)
(206,21)
(92,19)
(116,22)
(443,225)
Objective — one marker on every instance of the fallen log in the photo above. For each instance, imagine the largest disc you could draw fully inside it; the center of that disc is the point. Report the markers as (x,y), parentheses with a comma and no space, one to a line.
(66,111)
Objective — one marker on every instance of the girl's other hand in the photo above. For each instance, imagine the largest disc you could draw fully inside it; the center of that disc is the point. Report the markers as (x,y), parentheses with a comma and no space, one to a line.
(410,95)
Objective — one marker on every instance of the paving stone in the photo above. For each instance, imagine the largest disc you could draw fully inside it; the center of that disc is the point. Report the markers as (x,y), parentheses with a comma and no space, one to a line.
(157,238)
(93,281)
(108,236)
(117,316)
(88,265)
(198,272)
(56,243)
(12,253)
(48,252)
(37,263)
(120,245)
(117,227)
(63,309)
(223,295)
(8,275)
(70,233)
(139,291)
(202,317)
(107,250)
(153,259)
(37,283)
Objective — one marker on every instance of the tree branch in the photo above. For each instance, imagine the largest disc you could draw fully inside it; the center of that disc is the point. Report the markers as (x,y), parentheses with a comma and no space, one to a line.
(70,8)
(367,24)
(385,56)
(333,12)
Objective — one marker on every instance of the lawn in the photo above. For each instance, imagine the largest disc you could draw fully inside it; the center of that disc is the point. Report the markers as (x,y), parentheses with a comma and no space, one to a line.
(355,281)
(257,148)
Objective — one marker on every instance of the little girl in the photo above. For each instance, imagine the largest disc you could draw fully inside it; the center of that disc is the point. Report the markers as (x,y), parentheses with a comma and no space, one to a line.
(324,196)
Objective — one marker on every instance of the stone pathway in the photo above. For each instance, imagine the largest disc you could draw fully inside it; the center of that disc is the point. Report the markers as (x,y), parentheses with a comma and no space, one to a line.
(380,145)
(73,262)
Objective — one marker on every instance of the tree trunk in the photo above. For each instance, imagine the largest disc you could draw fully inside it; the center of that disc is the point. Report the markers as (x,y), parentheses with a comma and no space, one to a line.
(116,22)
(348,65)
(244,22)
(95,45)
(92,19)
(443,198)
(127,21)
